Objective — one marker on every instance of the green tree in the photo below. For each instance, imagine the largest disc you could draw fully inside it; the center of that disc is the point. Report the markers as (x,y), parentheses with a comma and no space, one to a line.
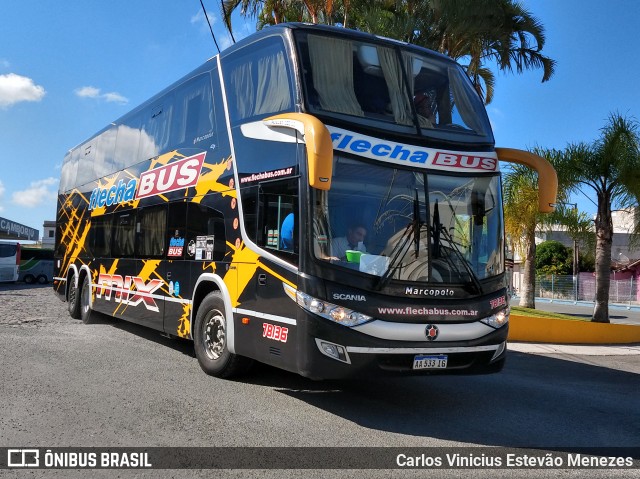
(610,167)
(579,227)
(473,32)
(522,217)
(552,257)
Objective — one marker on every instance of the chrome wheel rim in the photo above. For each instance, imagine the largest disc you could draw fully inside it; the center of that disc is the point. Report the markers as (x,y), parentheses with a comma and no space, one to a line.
(85,301)
(215,337)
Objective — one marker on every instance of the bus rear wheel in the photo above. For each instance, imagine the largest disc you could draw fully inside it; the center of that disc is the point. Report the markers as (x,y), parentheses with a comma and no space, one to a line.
(29,279)
(85,301)
(73,298)
(210,340)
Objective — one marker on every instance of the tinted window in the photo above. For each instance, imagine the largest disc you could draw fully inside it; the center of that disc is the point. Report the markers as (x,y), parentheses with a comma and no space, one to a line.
(7,250)
(150,230)
(206,228)
(156,125)
(194,120)
(123,235)
(127,142)
(257,81)
(273,221)
(100,235)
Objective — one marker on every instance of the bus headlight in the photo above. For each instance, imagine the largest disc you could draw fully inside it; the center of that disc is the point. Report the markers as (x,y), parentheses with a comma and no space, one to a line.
(333,312)
(498,319)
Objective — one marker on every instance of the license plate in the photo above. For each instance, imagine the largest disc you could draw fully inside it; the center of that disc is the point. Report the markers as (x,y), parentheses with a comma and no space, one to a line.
(430,362)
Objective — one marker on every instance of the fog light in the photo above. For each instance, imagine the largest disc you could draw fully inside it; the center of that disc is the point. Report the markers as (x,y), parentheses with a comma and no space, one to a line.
(334,351)
(330,350)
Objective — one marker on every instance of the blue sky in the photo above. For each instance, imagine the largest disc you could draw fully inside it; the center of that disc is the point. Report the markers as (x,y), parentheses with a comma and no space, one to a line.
(69,68)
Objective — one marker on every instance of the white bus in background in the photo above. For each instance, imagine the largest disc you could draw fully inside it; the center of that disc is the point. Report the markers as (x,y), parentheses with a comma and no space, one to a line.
(9,261)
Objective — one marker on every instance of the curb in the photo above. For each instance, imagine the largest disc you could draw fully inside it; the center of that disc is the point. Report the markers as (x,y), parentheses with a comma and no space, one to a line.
(562,331)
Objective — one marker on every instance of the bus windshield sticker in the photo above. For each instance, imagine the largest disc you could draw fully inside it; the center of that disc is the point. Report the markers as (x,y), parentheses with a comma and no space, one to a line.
(403,154)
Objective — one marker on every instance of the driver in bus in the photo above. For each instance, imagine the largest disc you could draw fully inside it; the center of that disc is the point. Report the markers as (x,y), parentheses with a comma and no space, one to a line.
(354,240)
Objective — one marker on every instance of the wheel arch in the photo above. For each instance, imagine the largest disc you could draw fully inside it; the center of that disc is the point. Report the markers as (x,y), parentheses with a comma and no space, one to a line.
(71,270)
(209,283)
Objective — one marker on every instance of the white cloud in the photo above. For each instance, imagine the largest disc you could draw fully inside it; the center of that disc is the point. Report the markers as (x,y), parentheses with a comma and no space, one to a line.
(15,88)
(199,18)
(93,92)
(88,92)
(114,97)
(39,192)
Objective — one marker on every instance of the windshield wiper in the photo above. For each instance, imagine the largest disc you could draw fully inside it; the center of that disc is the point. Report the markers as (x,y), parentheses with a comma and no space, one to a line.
(412,228)
(417,224)
(474,279)
(397,255)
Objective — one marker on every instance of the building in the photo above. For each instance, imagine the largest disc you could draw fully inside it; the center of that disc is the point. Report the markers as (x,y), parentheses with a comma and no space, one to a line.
(16,231)
(625,255)
(49,236)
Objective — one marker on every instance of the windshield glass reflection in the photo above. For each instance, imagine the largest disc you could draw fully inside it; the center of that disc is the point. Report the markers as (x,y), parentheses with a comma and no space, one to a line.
(409,226)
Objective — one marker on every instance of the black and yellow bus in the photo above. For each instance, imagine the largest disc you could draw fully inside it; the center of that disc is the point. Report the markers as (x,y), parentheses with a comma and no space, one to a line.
(318,199)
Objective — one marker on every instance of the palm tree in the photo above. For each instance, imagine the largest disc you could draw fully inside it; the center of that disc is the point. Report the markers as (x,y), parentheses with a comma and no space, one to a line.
(611,168)
(520,190)
(578,226)
(473,32)
(523,218)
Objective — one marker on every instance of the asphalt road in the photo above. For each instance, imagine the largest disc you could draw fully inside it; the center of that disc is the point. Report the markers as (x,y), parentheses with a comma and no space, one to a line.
(114,384)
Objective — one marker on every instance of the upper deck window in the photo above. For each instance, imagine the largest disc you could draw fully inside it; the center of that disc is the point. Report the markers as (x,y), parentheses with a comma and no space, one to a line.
(390,86)
(257,81)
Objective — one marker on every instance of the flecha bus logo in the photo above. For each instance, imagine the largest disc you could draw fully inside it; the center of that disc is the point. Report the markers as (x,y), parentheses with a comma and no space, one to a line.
(174,176)
(464,162)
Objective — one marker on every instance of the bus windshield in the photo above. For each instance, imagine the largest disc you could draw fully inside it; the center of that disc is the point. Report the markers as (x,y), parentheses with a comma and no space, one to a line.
(391,87)
(410,225)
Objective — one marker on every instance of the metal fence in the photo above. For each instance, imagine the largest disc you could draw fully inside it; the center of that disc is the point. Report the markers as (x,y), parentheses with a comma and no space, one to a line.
(567,287)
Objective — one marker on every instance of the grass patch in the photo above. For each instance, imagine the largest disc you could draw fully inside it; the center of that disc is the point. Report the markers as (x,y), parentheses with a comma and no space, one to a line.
(536,313)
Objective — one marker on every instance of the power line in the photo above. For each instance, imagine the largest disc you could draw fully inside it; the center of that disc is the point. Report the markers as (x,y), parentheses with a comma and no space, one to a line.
(209,23)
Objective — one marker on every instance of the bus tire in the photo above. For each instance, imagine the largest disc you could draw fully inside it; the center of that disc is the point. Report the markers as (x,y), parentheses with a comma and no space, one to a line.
(73,299)
(42,279)
(210,340)
(29,279)
(85,302)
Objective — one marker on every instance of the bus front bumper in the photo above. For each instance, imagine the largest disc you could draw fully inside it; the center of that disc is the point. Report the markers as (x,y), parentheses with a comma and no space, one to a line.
(334,351)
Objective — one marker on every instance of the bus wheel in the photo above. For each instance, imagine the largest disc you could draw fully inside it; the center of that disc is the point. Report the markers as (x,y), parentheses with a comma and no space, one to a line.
(85,302)
(42,279)
(210,340)
(73,300)
(29,279)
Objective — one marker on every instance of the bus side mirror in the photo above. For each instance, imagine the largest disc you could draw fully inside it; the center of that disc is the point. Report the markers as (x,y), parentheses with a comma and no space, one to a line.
(318,141)
(547,177)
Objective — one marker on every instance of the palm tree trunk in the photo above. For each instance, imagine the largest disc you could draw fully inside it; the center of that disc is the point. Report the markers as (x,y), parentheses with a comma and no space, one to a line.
(604,239)
(527,298)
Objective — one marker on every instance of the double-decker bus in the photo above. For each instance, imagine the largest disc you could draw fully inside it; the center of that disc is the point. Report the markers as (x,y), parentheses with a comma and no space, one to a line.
(9,261)
(318,199)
